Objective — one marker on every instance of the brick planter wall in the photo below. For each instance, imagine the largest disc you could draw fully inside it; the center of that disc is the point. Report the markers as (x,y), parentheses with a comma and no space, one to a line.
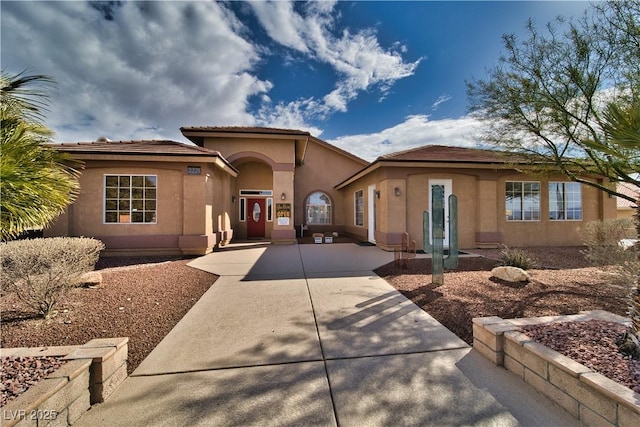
(93,371)
(587,395)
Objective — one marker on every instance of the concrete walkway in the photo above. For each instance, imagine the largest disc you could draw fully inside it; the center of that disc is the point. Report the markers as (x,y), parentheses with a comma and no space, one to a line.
(309,335)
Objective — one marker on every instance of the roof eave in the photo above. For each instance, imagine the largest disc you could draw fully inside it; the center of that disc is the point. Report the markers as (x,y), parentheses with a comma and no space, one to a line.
(216,160)
(381,162)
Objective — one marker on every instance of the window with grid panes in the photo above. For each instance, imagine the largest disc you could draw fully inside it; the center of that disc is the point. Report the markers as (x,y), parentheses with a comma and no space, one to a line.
(522,201)
(130,199)
(359,208)
(565,201)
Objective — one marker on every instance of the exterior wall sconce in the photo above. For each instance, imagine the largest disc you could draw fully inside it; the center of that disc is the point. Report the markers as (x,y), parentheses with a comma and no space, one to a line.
(397,191)
(377,194)
(233,199)
(283,196)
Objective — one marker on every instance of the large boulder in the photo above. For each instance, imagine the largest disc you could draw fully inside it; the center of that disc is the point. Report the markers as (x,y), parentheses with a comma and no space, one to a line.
(91,278)
(510,274)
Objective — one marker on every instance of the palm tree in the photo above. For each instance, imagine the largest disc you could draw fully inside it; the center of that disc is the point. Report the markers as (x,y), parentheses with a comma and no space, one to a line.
(622,147)
(37,182)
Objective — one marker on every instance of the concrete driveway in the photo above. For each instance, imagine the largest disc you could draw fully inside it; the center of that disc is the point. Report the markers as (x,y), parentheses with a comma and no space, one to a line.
(309,335)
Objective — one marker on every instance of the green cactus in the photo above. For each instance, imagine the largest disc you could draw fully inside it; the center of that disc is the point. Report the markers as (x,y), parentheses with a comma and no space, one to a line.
(439,262)
(437,255)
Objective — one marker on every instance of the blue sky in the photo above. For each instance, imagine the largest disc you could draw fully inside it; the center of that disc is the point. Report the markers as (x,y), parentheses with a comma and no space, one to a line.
(370,77)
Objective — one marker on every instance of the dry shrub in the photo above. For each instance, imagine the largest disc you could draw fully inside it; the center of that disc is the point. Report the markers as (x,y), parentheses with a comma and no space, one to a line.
(514,257)
(602,240)
(39,271)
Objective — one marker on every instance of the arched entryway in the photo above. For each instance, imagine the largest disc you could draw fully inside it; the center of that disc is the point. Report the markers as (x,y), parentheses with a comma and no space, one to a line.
(254,194)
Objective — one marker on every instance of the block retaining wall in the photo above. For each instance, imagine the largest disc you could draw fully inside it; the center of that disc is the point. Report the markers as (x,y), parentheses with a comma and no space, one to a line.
(587,395)
(93,371)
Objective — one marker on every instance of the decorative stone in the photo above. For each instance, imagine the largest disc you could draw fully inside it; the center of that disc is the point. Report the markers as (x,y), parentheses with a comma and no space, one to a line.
(510,274)
(92,278)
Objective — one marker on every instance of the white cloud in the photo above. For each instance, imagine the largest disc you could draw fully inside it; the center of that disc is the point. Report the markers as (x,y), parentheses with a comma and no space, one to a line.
(414,132)
(291,115)
(441,99)
(136,70)
(141,70)
(357,58)
(281,23)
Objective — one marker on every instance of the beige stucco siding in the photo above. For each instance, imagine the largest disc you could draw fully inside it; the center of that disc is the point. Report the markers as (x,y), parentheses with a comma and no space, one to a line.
(90,203)
(278,150)
(186,208)
(348,207)
(322,170)
(481,207)
(463,186)
(596,205)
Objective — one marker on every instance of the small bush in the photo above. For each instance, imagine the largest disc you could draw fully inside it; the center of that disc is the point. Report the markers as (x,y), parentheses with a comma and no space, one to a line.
(603,248)
(39,271)
(517,258)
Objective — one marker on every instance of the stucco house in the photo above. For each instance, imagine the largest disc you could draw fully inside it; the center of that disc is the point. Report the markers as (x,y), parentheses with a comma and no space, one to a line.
(273,184)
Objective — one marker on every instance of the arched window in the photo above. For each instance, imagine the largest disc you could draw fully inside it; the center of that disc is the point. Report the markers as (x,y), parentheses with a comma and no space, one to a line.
(318,208)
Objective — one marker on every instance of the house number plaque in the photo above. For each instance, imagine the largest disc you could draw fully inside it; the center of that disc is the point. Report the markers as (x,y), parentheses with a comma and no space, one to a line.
(283,213)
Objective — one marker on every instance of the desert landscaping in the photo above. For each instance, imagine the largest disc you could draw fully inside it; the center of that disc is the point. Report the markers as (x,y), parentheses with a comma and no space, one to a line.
(143,298)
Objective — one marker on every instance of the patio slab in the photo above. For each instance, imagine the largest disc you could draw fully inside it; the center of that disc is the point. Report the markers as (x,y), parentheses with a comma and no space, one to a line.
(240,323)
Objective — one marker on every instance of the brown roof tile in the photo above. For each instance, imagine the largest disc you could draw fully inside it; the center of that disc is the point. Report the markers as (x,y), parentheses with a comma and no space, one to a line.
(244,129)
(627,189)
(442,153)
(163,147)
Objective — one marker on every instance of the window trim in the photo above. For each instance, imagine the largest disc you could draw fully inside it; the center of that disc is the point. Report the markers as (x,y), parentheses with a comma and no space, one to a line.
(242,209)
(131,176)
(269,203)
(522,201)
(565,202)
(357,196)
(306,208)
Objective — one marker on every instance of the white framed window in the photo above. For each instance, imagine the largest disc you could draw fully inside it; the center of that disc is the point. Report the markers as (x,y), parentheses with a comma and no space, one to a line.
(258,193)
(270,209)
(565,201)
(358,208)
(243,209)
(318,208)
(130,199)
(522,201)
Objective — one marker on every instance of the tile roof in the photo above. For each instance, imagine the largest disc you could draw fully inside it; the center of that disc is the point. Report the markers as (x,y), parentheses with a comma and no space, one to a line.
(244,129)
(627,189)
(442,153)
(162,147)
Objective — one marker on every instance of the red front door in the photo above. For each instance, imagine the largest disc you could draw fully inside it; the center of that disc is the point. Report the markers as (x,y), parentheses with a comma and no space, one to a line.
(255,218)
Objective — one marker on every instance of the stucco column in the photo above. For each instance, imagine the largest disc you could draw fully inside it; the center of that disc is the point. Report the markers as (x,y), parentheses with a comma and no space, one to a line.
(283,198)
(392,212)
(487,232)
(197,226)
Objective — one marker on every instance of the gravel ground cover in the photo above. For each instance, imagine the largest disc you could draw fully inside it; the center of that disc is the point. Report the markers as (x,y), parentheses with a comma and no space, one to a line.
(144,298)
(140,298)
(20,373)
(593,343)
(563,283)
